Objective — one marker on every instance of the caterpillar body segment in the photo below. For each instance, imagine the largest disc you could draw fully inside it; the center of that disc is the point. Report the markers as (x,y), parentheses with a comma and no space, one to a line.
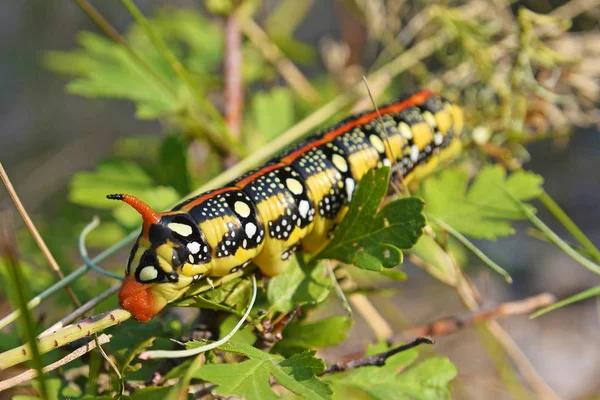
(293,202)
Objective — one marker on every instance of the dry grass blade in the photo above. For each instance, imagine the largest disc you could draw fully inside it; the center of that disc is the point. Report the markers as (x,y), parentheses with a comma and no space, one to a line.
(36,235)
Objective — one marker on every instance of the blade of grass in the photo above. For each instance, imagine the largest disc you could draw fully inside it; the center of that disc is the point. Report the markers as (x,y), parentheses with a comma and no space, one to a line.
(568,223)
(19,290)
(554,238)
(467,243)
(586,294)
(36,234)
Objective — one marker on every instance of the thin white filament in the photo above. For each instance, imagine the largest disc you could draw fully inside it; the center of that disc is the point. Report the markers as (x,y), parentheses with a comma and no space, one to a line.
(192,352)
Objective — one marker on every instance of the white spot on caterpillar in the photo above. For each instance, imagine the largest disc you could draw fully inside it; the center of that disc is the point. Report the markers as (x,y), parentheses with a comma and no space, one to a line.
(242,209)
(387,162)
(250,229)
(430,119)
(193,247)
(377,143)
(182,229)
(148,273)
(303,208)
(339,162)
(438,138)
(349,188)
(191,258)
(245,243)
(294,186)
(414,153)
(405,130)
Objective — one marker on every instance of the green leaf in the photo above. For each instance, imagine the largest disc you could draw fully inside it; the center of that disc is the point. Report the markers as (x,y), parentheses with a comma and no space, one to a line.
(105,69)
(301,335)
(427,380)
(117,176)
(586,294)
(173,164)
(484,209)
(273,112)
(306,285)
(244,335)
(372,240)
(250,378)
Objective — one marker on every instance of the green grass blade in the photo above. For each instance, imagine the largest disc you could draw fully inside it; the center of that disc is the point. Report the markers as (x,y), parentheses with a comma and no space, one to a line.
(586,294)
(19,296)
(467,243)
(568,223)
(554,238)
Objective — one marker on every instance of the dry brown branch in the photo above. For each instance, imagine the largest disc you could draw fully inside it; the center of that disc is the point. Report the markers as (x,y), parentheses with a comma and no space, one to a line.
(36,235)
(31,373)
(450,325)
(377,359)
(468,294)
(271,52)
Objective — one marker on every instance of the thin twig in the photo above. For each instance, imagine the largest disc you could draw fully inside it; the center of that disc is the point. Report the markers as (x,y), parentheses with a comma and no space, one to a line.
(36,235)
(82,310)
(388,145)
(271,52)
(112,365)
(31,373)
(468,295)
(450,325)
(376,360)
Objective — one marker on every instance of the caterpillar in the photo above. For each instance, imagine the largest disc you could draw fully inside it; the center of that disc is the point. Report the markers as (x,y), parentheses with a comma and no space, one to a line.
(294,201)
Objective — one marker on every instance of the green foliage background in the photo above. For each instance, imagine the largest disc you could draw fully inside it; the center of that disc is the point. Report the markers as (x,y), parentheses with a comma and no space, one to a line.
(170,68)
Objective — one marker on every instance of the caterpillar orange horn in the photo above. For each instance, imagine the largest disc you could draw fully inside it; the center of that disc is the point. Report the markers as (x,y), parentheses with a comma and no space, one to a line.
(149,215)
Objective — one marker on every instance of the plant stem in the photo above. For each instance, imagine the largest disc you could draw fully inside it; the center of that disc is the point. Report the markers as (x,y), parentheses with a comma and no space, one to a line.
(36,234)
(568,223)
(467,243)
(225,139)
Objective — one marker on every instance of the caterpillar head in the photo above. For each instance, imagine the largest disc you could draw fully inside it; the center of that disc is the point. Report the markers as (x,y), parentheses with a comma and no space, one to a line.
(169,255)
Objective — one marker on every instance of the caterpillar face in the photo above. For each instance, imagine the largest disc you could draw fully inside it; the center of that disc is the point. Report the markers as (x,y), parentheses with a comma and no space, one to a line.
(170,254)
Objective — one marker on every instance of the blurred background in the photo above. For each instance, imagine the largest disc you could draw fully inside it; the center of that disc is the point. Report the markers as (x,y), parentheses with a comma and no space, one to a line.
(49,135)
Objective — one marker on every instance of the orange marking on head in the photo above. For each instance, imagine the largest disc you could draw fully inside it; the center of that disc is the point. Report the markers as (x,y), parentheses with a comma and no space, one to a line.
(149,216)
(416,99)
(137,299)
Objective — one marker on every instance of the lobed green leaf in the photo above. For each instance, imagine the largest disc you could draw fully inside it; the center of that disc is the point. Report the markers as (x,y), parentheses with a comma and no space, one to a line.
(250,378)
(372,240)
(484,209)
